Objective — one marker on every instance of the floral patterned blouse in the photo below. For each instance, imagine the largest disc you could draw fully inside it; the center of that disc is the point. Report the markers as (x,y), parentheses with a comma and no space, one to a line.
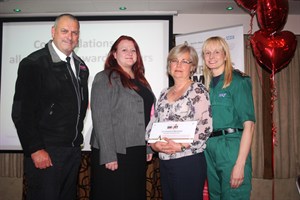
(193,105)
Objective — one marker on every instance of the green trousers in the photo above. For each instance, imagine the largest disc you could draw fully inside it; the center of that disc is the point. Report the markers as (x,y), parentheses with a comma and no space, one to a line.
(221,153)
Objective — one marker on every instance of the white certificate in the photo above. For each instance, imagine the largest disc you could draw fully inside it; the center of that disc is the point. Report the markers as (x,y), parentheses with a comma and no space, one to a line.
(181,132)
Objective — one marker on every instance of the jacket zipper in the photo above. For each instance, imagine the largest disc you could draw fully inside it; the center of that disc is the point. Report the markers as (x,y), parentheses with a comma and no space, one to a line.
(76,87)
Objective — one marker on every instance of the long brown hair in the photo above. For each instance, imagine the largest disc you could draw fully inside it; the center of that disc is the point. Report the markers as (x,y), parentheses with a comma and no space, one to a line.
(138,69)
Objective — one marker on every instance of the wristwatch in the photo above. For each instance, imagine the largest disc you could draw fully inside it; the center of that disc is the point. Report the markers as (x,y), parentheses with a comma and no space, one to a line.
(183,148)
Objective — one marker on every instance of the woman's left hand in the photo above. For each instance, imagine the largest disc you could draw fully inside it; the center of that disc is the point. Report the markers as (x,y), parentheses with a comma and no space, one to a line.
(166,146)
(237,176)
(171,147)
(149,157)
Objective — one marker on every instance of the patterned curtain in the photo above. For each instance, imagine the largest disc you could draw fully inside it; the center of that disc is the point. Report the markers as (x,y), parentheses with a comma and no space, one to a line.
(153,184)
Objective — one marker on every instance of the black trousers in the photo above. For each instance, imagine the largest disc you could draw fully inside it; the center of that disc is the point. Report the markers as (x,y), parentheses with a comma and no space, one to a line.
(183,178)
(58,182)
(128,182)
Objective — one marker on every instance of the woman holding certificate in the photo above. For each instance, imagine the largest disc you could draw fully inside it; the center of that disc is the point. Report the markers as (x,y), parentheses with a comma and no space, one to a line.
(228,148)
(182,164)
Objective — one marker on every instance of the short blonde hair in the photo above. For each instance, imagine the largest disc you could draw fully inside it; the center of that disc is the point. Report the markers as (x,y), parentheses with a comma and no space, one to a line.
(181,49)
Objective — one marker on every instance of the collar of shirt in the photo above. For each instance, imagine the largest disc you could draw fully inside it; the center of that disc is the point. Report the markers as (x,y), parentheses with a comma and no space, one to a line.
(63,57)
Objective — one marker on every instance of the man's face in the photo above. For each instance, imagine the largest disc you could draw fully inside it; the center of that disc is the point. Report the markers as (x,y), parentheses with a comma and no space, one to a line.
(66,34)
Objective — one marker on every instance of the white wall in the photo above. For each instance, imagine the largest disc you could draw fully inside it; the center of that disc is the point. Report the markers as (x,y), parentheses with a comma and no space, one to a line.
(189,23)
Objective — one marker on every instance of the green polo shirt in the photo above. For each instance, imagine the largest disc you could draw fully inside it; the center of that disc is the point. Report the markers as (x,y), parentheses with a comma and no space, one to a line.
(233,105)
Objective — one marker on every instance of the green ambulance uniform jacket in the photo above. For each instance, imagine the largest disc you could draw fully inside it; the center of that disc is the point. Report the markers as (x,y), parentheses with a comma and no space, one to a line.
(233,105)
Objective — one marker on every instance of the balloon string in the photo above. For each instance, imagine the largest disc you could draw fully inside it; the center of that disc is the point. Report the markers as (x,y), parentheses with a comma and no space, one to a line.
(273,99)
(250,31)
(274,129)
(251,23)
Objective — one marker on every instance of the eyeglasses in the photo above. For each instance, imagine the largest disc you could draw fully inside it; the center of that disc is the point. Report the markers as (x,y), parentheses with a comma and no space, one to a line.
(182,62)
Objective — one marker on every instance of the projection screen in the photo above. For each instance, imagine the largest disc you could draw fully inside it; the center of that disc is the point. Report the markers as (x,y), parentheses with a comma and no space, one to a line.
(22,36)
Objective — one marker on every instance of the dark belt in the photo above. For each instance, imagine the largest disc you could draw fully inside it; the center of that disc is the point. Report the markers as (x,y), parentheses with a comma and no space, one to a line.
(225,132)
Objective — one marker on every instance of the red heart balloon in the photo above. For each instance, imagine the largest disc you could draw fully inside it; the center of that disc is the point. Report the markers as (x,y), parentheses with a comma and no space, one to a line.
(272,14)
(273,52)
(249,5)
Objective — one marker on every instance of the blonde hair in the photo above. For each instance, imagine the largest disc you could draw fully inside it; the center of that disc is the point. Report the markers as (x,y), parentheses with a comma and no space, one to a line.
(228,69)
(181,49)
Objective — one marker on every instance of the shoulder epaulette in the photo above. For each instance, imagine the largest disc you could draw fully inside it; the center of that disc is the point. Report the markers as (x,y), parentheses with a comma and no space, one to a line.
(241,73)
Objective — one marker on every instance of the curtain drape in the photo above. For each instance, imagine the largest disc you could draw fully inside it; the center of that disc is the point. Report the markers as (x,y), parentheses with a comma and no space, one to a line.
(284,160)
(11,165)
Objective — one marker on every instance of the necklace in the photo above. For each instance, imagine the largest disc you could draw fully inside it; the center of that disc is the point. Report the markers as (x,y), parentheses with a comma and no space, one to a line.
(176,91)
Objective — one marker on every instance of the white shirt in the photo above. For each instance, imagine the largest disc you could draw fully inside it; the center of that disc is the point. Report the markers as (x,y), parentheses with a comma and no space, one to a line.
(63,57)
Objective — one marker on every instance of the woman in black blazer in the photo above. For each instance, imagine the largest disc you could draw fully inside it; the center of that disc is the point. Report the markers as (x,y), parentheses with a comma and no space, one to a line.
(121,102)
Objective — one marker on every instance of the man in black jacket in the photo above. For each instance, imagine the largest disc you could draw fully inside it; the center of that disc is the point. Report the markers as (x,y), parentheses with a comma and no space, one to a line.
(50,102)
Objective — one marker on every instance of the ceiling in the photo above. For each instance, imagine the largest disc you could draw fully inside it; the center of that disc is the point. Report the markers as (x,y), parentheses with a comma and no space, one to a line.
(137,7)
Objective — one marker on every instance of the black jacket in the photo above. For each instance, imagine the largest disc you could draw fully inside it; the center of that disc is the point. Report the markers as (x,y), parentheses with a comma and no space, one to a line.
(48,108)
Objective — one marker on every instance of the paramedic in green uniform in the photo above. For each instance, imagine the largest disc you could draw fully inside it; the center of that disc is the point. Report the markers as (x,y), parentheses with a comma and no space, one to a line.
(228,150)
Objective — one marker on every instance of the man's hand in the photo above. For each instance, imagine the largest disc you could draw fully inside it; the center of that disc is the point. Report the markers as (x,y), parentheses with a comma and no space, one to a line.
(112,166)
(41,159)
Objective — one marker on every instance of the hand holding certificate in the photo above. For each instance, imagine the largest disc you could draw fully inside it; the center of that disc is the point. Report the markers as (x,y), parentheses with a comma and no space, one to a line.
(180,132)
